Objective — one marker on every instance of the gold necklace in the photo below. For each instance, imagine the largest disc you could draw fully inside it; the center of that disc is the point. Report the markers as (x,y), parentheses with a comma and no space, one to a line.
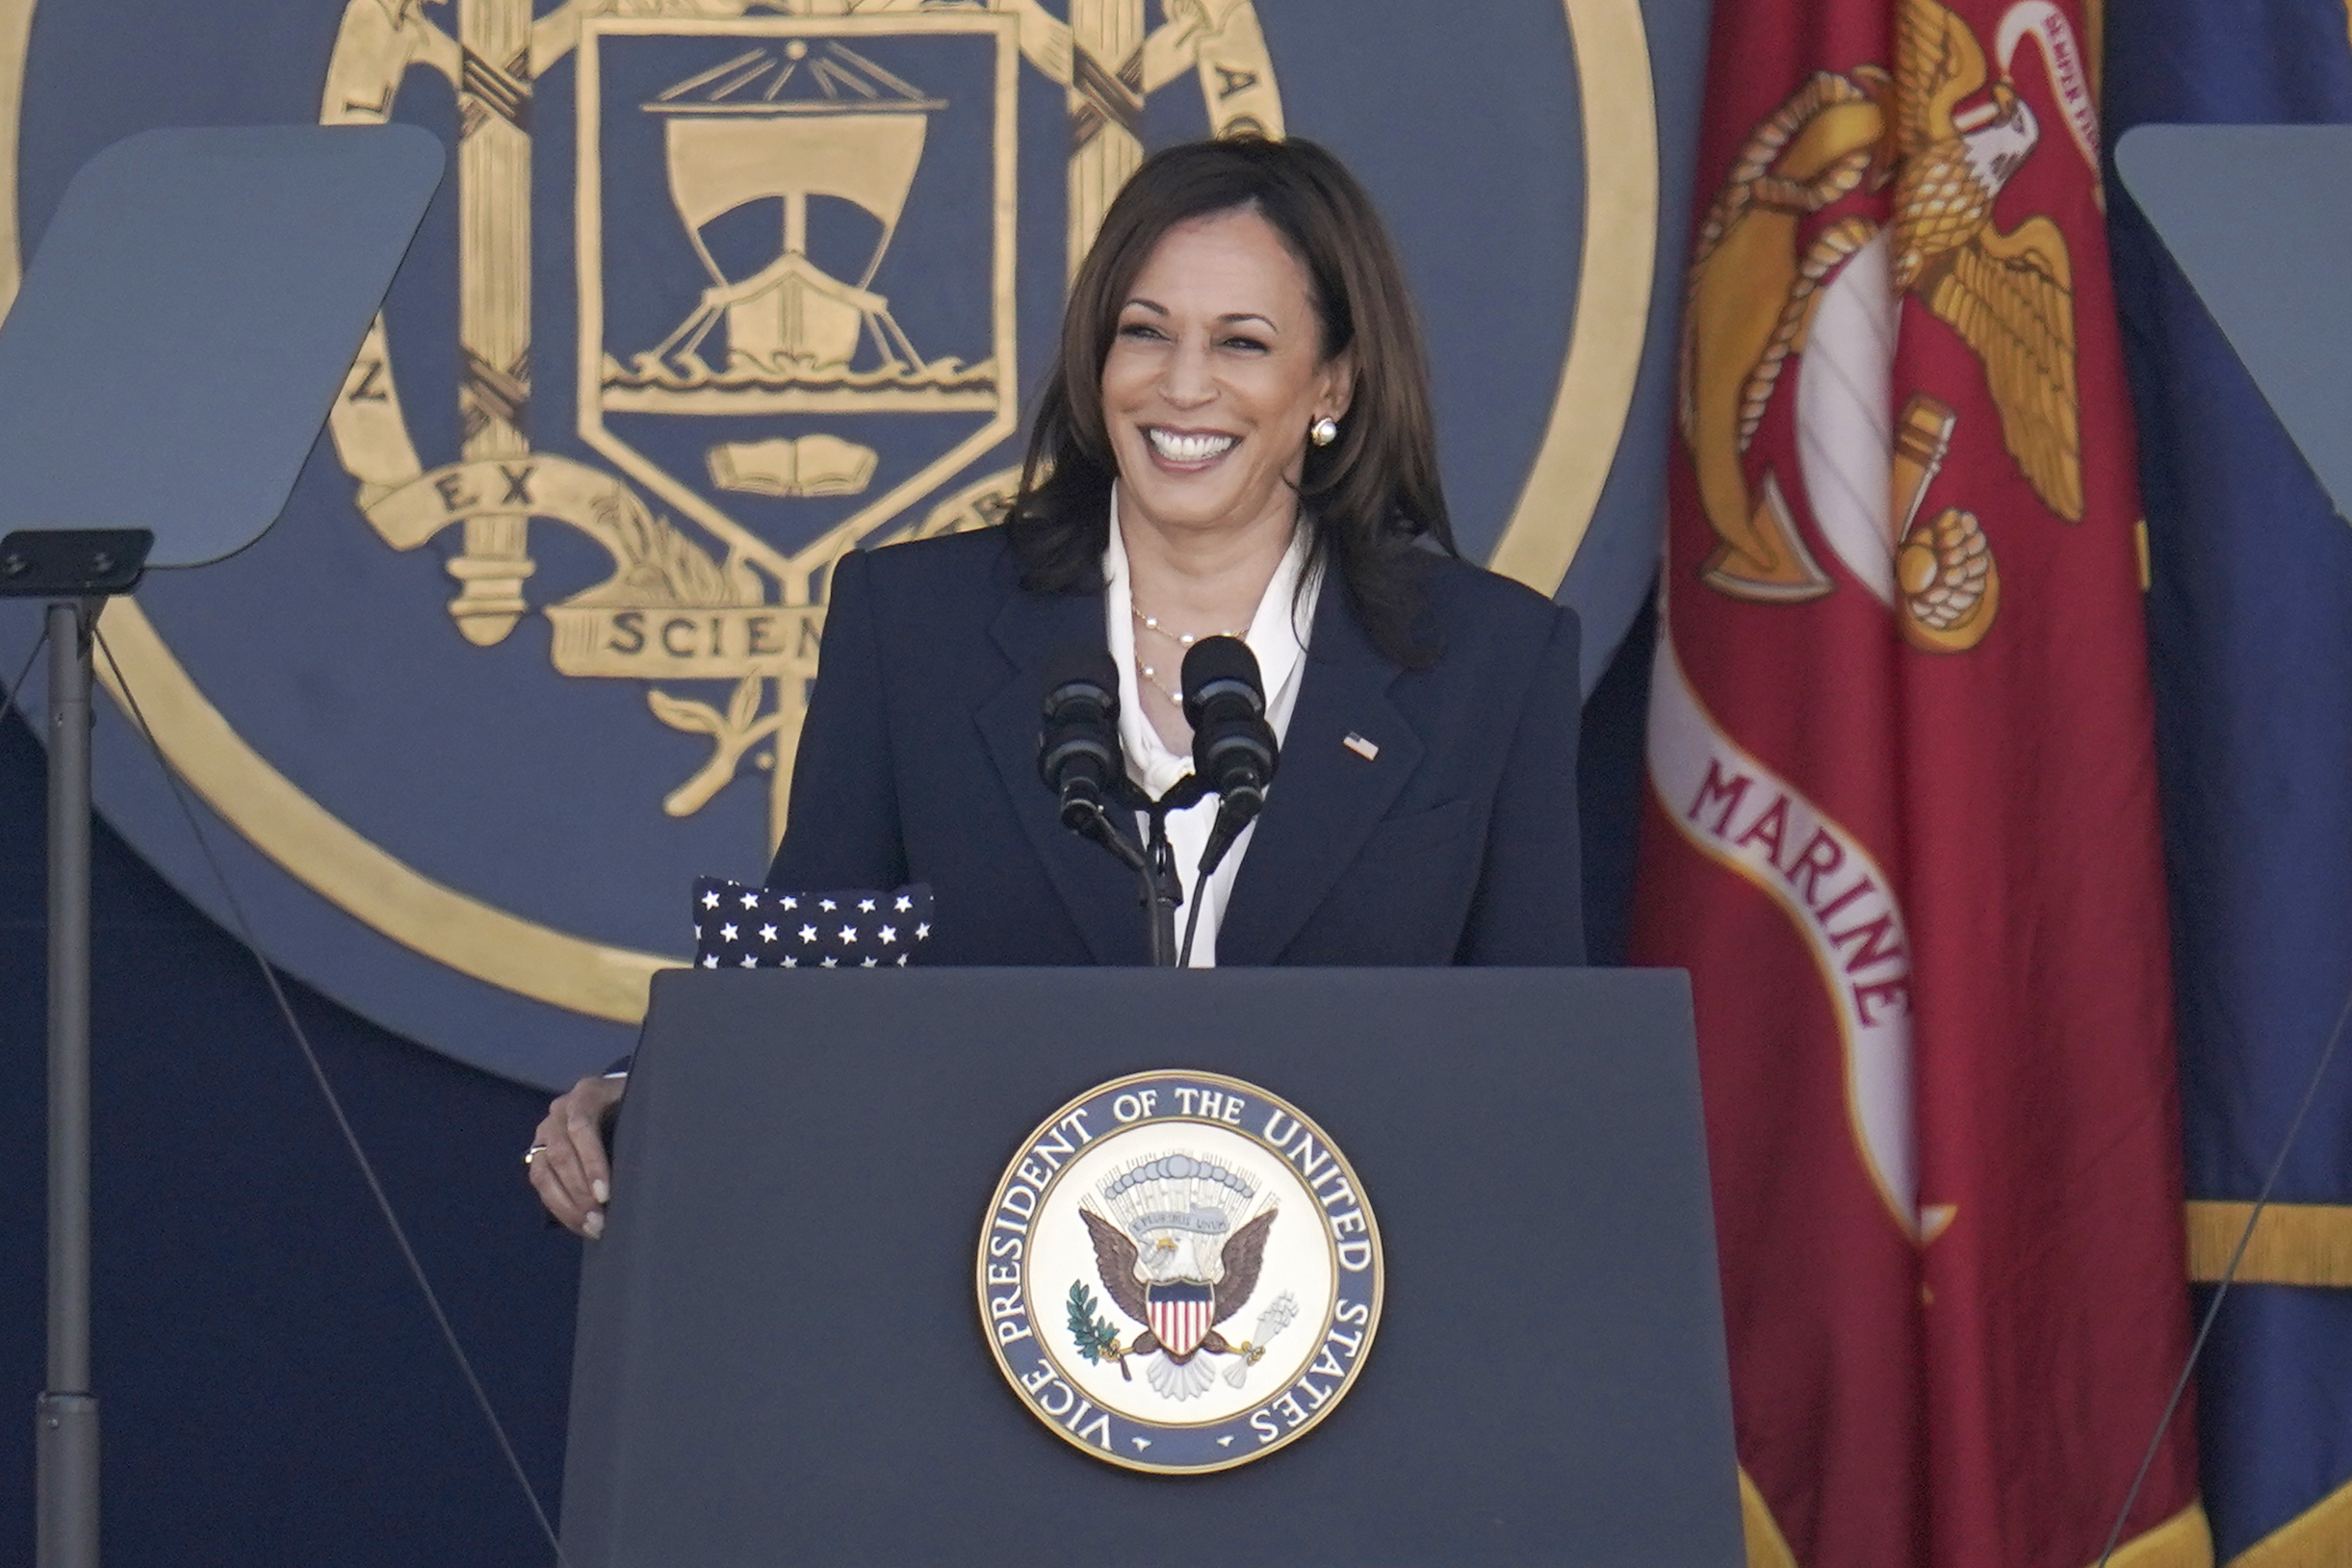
(1183,639)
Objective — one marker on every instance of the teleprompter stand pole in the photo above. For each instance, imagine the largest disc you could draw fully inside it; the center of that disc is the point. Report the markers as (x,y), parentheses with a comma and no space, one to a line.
(74,570)
(66,1479)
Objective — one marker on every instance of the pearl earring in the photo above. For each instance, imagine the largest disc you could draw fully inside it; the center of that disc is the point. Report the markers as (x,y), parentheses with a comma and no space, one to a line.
(1324,431)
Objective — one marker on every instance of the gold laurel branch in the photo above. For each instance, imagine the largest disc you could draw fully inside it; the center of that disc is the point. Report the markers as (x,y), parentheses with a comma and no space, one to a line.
(655,565)
(742,727)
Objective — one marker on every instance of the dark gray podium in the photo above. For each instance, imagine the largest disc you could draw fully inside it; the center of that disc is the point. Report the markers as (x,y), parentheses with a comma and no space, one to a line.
(781,1362)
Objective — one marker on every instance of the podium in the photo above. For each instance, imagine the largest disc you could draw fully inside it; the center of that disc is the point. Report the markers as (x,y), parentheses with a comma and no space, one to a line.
(781,1358)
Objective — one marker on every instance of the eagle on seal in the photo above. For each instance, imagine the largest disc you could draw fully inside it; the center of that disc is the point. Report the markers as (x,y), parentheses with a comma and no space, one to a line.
(1176,1264)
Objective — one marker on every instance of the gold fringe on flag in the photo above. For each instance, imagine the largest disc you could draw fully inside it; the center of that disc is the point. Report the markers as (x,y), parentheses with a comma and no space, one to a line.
(2294,1244)
(2182,1541)
(2319,1537)
(1767,1547)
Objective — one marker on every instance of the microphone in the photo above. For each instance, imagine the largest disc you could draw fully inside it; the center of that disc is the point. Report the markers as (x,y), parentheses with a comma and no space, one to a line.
(1079,758)
(1233,749)
(1078,751)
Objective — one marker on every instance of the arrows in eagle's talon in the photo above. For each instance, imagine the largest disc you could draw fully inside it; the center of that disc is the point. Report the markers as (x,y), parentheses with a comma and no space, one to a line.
(1270,1323)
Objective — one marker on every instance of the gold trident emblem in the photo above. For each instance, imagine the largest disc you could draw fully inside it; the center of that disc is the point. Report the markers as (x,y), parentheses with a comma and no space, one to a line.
(751,613)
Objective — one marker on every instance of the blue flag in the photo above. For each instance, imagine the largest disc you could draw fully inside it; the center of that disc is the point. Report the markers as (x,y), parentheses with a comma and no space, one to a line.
(2250,617)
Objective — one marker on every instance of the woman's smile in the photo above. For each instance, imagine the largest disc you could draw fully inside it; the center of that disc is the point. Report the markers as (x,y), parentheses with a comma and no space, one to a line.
(1188,451)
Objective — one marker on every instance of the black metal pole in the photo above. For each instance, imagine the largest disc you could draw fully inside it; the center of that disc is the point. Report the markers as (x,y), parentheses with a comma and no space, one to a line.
(1163,890)
(1157,886)
(66,1479)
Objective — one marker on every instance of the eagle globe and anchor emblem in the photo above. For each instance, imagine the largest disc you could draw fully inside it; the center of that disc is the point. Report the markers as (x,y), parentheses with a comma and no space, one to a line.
(1795,280)
(1179,1272)
(794,236)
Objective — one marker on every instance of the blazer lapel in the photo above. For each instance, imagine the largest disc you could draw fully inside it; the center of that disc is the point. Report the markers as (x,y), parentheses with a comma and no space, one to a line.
(1325,797)
(1099,892)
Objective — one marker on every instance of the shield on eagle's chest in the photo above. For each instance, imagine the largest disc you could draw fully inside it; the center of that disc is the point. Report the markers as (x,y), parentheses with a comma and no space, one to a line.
(1179,1314)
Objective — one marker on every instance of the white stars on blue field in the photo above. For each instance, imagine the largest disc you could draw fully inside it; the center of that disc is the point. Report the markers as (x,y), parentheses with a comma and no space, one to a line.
(735,927)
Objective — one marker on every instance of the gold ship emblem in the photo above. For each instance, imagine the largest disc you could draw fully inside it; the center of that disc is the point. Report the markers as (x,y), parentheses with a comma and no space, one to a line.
(792,335)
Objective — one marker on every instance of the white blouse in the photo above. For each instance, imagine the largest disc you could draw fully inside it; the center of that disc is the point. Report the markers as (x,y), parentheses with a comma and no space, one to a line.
(1277,635)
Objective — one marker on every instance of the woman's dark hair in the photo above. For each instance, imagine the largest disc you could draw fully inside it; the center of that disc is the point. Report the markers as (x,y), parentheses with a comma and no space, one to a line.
(1372,493)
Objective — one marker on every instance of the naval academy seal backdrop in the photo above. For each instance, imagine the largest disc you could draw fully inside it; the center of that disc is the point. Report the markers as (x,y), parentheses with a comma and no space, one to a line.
(717,289)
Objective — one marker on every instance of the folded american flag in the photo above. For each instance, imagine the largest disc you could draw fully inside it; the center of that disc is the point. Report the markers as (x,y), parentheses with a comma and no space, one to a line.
(767,928)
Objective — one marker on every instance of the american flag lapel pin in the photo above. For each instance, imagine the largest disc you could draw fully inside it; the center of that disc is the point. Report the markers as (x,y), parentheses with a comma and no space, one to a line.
(1361,747)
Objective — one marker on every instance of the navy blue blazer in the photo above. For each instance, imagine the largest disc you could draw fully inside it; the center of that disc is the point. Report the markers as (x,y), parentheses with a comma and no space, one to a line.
(1456,844)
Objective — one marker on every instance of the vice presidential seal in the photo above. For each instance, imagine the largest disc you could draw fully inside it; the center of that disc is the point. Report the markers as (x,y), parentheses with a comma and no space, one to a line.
(1179,1272)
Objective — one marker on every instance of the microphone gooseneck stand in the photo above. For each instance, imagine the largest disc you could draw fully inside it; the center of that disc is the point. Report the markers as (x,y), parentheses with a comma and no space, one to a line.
(1159,888)
(1234,753)
(1163,889)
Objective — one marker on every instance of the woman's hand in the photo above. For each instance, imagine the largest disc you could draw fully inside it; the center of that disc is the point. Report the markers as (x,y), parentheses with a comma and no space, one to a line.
(567,1161)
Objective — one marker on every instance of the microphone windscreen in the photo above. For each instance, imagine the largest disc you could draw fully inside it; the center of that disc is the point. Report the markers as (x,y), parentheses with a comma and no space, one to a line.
(1079,665)
(1213,660)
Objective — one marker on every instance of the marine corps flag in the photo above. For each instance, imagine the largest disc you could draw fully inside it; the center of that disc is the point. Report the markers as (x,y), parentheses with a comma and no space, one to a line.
(1902,823)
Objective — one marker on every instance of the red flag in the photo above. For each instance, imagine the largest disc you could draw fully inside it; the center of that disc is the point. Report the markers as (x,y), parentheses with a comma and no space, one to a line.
(1902,826)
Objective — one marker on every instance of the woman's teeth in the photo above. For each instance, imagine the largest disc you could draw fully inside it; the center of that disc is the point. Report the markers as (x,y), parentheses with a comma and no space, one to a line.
(1188,448)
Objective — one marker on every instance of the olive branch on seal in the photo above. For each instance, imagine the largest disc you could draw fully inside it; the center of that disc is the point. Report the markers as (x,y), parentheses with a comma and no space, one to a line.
(1098,1341)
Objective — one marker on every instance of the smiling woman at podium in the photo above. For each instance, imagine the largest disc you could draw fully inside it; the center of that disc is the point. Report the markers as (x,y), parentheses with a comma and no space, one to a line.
(1235,440)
